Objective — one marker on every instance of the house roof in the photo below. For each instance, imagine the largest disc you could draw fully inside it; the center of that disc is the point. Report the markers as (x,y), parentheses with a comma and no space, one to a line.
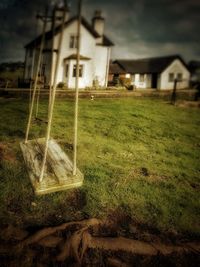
(106,42)
(148,65)
(114,68)
(74,56)
(48,34)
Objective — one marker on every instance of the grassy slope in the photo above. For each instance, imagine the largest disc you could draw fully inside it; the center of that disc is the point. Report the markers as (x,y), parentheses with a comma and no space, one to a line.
(138,156)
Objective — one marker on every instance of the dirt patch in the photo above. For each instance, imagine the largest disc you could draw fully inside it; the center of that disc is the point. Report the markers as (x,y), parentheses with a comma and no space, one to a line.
(195,186)
(6,153)
(144,173)
(188,104)
(77,198)
(88,243)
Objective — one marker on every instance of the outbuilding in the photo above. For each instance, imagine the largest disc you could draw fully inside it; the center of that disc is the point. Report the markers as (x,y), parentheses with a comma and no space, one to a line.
(155,73)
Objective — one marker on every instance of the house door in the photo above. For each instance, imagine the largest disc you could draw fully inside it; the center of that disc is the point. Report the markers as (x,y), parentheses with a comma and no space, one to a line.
(154,81)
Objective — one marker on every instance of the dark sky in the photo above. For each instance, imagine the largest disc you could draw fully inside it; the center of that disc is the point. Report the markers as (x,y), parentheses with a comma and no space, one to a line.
(139,28)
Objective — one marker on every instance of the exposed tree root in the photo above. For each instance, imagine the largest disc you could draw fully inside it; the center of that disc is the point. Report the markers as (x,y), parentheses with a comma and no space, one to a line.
(52,230)
(72,241)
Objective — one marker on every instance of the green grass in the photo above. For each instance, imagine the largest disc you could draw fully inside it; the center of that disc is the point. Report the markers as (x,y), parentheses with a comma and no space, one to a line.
(138,156)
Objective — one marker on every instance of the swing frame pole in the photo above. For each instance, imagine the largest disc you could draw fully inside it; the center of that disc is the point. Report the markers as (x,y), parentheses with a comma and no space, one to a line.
(50,115)
(77,88)
(31,82)
(36,78)
(38,90)
(52,59)
(32,67)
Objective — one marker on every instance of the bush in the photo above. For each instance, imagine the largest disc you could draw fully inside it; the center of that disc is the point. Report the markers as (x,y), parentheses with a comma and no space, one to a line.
(95,83)
(125,82)
(130,87)
(61,85)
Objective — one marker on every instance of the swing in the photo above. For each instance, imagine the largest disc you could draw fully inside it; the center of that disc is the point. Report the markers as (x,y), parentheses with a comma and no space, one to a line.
(49,168)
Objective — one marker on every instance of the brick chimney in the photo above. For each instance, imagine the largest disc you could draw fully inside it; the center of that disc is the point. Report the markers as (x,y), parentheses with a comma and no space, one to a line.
(98,22)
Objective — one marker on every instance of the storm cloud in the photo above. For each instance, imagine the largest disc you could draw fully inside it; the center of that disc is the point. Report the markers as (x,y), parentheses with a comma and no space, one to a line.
(138,28)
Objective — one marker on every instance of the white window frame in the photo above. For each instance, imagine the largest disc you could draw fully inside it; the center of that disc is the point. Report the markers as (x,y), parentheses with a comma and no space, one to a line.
(179,76)
(73,41)
(67,70)
(171,77)
(81,71)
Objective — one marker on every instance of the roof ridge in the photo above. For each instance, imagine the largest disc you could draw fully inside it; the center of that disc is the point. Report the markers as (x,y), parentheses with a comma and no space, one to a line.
(148,65)
(149,58)
(57,28)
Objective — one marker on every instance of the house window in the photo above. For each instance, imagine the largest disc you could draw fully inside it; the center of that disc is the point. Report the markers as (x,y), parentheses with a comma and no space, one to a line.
(42,69)
(133,78)
(179,76)
(29,71)
(30,52)
(67,70)
(141,78)
(73,41)
(80,71)
(171,77)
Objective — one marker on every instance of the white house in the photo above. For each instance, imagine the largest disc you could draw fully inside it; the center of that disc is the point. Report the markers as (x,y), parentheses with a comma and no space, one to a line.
(95,50)
(157,73)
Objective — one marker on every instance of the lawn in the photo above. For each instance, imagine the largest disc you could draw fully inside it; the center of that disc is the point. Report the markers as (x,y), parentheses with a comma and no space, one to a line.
(140,158)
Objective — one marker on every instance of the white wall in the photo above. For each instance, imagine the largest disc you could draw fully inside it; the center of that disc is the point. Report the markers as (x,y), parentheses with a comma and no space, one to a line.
(176,67)
(159,81)
(31,62)
(141,85)
(84,81)
(148,81)
(28,64)
(47,60)
(101,59)
(88,49)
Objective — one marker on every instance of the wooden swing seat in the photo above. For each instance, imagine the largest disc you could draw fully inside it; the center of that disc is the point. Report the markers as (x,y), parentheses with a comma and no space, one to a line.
(58,170)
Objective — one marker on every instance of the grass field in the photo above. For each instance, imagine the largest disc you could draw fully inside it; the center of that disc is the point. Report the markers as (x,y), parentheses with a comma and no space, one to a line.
(140,158)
